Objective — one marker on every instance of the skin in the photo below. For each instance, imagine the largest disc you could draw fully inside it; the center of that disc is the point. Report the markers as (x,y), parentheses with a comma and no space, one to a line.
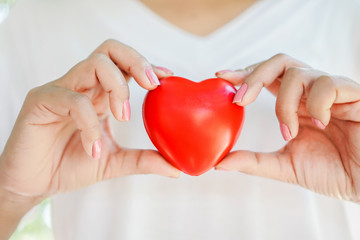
(320,121)
(203,17)
(51,148)
(72,112)
(318,115)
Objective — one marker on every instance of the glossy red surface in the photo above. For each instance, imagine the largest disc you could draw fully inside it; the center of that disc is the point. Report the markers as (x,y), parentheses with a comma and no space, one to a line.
(193,125)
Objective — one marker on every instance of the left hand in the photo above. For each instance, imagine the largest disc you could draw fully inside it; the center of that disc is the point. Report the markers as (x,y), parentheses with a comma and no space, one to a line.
(319,115)
(62,142)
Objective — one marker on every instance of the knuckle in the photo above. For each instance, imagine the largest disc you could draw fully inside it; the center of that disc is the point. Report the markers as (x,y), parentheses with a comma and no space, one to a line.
(36,93)
(256,84)
(33,93)
(324,85)
(109,43)
(32,96)
(139,59)
(281,56)
(138,63)
(295,72)
(79,99)
(325,80)
(142,165)
(96,58)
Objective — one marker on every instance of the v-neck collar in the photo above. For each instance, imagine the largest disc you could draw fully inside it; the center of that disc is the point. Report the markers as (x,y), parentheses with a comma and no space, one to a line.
(169,45)
(219,32)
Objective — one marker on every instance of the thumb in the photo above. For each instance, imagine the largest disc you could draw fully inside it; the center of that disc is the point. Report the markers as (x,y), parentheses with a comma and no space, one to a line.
(278,166)
(135,161)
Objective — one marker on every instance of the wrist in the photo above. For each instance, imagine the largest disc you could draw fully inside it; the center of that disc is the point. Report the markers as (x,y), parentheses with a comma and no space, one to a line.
(9,196)
(12,206)
(12,209)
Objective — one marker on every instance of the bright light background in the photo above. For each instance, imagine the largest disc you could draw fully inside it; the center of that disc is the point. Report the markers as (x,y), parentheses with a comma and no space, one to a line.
(36,225)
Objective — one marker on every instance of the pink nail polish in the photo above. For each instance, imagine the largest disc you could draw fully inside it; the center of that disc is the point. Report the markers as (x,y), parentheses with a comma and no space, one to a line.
(222,169)
(152,76)
(165,70)
(318,123)
(96,149)
(285,132)
(223,71)
(126,111)
(240,93)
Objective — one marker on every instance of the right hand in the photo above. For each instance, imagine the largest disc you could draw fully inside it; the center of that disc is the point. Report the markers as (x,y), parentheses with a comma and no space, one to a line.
(61,140)
(319,116)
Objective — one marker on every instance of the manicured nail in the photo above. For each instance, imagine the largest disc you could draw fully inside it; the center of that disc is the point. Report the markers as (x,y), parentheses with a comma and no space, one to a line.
(223,71)
(96,149)
(222,169)
(152,76)
(318,123)
(126,112)
(165,70)
(285,131)
(174,175)
(240,93)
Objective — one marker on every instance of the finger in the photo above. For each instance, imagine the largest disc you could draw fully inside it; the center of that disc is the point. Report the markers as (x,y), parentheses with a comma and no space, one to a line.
(237,77)
(293,87)
(270,165)
(131,62)
(346,111)
(266,74)
(99,68)
(234,77)
(162,72)
(333,96)
(53,101)
(128,162)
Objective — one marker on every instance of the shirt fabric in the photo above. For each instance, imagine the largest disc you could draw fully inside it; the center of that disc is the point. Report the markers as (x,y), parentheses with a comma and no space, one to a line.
(41,40)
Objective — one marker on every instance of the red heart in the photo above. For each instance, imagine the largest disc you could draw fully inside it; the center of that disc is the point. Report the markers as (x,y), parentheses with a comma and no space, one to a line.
(193,125)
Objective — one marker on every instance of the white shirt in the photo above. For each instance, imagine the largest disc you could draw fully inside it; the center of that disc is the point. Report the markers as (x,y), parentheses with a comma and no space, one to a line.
(41,40)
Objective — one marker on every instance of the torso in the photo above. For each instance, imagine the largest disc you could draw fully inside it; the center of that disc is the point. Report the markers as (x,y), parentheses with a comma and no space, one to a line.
(215,205)
(198,17)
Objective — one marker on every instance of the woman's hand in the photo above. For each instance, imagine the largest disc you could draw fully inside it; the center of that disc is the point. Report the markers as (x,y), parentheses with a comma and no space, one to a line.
(61,140)
(319,115)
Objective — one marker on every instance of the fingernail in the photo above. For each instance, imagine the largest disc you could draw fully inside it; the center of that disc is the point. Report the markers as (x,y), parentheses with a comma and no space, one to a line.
(240,93)
(285,132)
(165,70)
(152,76)
(126,112)
(223,71)
(96,149)
(222,169)
(176,175)
(318,123)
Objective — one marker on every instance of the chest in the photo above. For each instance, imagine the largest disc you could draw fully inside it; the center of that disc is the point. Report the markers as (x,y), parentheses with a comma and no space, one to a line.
(200,17)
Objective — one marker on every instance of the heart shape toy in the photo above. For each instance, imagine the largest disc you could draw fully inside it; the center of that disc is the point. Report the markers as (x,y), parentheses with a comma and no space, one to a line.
(193,125)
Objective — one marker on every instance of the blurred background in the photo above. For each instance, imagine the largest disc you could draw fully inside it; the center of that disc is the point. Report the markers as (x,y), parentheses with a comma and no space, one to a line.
(36,225)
